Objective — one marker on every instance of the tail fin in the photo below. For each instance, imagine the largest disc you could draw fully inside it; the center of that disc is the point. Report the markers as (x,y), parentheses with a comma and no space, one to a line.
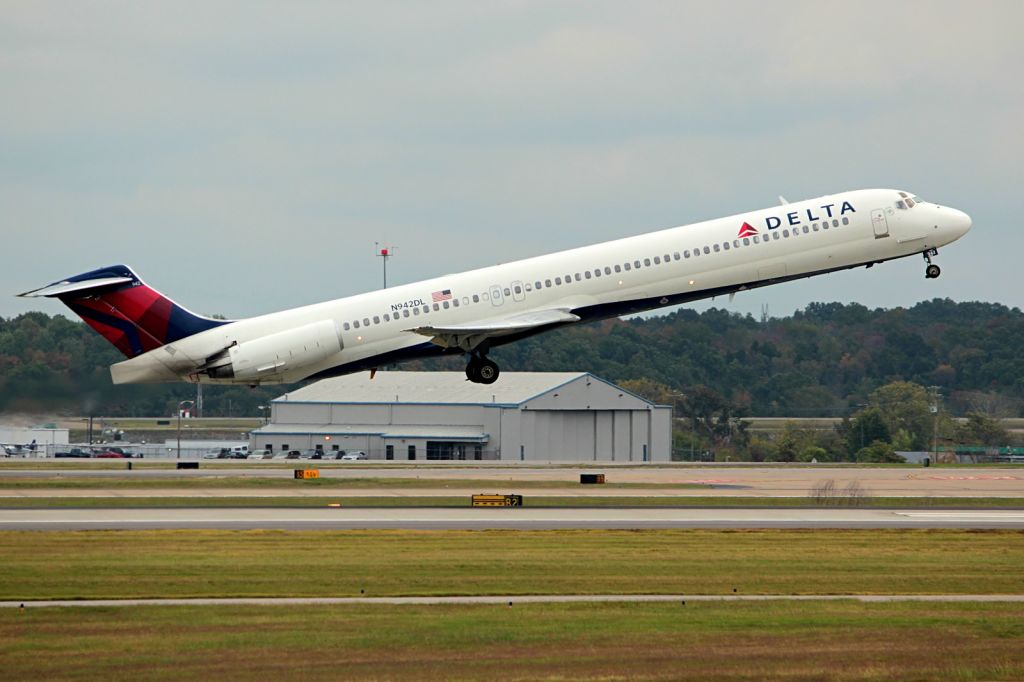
(129,314)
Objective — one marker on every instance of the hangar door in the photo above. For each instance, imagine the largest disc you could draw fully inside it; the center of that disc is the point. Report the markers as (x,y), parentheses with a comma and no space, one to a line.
(574,435)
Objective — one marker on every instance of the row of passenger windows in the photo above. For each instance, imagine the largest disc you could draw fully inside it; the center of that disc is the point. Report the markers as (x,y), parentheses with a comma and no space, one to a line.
(598,272)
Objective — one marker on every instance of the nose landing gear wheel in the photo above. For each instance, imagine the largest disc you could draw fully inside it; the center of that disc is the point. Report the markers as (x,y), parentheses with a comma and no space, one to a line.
(932,271)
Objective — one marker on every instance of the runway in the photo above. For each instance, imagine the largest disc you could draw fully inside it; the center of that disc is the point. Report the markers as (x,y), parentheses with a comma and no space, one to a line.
(510,600)
(435,518)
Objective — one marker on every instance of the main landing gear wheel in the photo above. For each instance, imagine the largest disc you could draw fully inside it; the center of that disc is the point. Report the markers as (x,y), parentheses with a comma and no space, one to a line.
(482,371)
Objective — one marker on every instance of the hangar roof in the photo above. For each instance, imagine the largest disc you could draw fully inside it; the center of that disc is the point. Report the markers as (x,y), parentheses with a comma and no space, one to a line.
(511,388)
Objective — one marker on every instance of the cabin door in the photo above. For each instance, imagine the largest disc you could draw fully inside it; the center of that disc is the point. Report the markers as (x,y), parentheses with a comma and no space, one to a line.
(879,223)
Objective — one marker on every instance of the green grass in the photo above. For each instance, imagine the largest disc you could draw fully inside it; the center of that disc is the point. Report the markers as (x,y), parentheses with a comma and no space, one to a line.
(681,501)
(196,563)
(698,641)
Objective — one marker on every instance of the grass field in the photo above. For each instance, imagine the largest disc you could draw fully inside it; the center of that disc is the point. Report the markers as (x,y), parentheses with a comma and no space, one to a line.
(698,641)
(193,563)
(536,501)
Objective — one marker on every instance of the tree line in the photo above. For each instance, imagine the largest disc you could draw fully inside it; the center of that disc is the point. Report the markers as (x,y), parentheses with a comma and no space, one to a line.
(825,360)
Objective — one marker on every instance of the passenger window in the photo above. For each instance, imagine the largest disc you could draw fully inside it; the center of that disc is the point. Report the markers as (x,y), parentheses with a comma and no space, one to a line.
(785,233)
(518,289)
(725,245)
(707,251)
(356,324)
(636,264)
(806,230)
(455,302)
(676,255)
(736,243)
(376,319)
(647,262)
(476,298)
(814,227)
(529,287)
(746,241)
(445,304)
(627,266)
(824,224)
(387,317)
(347,326)
(665,257)
(537,284)
(686,254)
(405,313)
(657,260)
(775,236)
(716,248)
(846,221)
(755,239)
(558,281)
(507,292)
(568,279)
(607,270)
(485,296)
(366,322)
(835,223)
(578,278)
(585,274)
(547,282)
(618,268)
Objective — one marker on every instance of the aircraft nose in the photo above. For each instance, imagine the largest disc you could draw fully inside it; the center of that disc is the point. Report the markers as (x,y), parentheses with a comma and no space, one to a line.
(960,222)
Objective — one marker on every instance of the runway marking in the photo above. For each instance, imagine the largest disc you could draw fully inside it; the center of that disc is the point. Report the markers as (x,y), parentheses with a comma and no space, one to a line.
(969,515)
(510,599)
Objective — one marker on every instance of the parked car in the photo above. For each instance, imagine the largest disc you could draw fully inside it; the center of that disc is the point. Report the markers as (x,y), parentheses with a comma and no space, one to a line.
(353,455)
(293,454)
(74,452)
(109,454)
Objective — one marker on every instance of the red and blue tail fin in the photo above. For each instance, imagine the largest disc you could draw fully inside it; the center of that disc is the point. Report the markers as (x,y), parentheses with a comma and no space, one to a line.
(129,314)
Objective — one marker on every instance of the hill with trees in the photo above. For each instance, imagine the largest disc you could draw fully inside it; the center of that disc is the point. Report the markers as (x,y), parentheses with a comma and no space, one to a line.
(830,359)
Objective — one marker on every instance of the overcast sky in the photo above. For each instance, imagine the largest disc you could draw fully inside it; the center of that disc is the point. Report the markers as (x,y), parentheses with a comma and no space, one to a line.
(244,157)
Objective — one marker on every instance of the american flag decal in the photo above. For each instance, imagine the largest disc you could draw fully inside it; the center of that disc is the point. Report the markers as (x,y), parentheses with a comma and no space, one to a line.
(444,295)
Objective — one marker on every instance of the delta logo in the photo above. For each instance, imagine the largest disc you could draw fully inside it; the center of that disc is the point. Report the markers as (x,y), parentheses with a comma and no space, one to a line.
(747,230)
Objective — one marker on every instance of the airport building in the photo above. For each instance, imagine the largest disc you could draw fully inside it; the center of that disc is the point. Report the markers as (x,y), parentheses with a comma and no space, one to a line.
(524,416)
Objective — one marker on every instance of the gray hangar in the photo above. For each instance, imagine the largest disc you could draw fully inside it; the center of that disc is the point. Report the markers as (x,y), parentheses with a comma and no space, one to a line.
(524,416)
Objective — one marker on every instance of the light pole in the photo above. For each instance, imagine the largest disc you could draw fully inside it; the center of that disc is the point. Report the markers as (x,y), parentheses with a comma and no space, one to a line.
(182,404)
(263,413)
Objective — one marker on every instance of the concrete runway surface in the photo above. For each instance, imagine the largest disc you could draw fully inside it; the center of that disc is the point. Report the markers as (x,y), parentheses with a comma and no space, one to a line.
(716,480)
(502,518)
(516,599)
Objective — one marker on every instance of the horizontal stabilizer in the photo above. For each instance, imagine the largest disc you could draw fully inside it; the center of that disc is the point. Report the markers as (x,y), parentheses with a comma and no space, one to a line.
(68,287)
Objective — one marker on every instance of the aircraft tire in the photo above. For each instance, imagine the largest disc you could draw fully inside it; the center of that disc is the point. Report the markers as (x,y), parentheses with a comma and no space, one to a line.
(932,271)
(473,371)
(488,372)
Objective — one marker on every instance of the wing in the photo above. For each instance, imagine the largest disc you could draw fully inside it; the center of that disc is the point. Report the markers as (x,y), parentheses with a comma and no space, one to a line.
(470,335)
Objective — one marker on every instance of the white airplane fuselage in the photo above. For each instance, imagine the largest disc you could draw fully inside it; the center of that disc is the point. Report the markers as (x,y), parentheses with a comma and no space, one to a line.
(472,311)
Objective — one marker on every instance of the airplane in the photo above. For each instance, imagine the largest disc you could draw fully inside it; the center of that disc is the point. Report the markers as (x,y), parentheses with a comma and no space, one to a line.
(472,312)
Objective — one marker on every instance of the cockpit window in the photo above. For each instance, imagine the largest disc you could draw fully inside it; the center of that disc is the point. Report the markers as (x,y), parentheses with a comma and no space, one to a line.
(906,201)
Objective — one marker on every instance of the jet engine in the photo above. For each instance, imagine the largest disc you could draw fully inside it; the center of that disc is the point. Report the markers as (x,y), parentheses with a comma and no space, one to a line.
(266,357)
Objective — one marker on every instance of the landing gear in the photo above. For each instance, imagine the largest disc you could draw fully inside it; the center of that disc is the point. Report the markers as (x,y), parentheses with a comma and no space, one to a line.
(932,270)
(480,370)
